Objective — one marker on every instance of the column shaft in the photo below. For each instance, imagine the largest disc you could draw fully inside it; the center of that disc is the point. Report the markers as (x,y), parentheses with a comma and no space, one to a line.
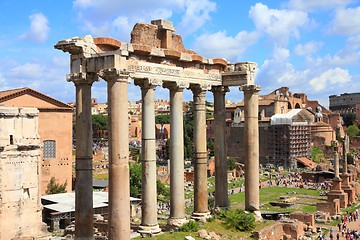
(221,180)
(337,171)
(251,101)
(83,164)
(177,196)
(148,152)
(200,174)
(119,183)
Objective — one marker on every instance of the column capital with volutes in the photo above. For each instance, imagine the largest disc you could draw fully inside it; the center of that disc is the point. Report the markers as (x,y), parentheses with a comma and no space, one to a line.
(199,89)
(220,89)
(82,78)
(147,83)
(114,75)
(176,86)
(250,88)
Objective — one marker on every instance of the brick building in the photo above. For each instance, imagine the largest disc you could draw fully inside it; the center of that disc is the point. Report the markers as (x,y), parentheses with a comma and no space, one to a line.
(55,130)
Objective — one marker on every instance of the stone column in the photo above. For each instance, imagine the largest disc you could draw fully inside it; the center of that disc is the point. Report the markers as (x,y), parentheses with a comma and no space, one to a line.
(337,167)
(201,209)
(177,195)
(251,129)
(83,164)
(221,180)
(119,179)
(149,223)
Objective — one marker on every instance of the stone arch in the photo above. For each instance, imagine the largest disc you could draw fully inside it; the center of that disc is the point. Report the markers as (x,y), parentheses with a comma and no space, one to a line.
(297,105)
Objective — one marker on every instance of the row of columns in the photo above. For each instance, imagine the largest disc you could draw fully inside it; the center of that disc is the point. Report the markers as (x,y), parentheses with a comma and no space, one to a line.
(119,193)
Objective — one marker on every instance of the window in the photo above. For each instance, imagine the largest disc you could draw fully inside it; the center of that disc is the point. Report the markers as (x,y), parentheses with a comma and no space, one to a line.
(49,149)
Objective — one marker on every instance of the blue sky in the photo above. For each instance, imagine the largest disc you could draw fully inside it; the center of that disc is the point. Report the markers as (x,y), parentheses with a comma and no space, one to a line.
(309,46)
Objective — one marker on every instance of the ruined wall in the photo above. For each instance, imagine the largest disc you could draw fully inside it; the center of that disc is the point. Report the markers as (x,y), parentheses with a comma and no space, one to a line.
(20,207)
(236,144)
(290,229)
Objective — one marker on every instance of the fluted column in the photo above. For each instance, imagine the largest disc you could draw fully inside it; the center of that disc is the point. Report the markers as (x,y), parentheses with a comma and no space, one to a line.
(177,197)
(201,209)
(251,102)
(149,223)
(83,163)
(119,179)
(221,180)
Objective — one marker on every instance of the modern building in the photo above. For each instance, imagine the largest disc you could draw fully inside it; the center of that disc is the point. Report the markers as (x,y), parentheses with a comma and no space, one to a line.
(55,131)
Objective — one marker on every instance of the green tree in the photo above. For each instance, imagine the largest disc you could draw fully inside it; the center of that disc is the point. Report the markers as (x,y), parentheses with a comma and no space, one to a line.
(135,179)
(54,188)
(316,154)
(231,161)
(99,122)
(350,158)
(210,147)
(349,118)
(161,189)
(162,119)
(352,130)
(238,219)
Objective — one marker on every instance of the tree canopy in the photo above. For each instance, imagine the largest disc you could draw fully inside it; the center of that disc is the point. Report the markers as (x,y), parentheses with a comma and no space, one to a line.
(352,130)
(99,122)
(54,188)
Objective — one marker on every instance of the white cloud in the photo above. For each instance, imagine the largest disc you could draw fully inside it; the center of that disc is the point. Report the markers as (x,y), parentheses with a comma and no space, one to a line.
(220,45)
(333,76)
(116,18)
(196,14)
(278,24)
(346,21)
(307,48)
(39,28)
(308,5)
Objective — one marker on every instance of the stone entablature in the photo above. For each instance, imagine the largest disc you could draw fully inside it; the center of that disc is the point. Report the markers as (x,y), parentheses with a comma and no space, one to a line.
(20,208)
(147,56)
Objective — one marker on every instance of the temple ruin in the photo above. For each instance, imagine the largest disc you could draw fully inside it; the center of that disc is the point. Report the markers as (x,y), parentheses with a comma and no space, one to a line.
(156,57)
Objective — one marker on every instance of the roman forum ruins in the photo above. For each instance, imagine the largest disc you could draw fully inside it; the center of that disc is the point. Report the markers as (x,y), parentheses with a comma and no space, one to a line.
(156,57)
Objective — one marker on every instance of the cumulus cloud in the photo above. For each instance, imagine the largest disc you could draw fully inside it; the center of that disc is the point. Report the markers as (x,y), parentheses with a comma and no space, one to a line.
(39,28)
(221,45)
(278,24)
(318,4)
(196,14)
(116,18)
(277,71)
(307,48)
(333,76)
(346,22)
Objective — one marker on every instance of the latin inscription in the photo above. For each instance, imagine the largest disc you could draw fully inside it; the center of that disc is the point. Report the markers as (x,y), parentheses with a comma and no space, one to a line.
(173,72)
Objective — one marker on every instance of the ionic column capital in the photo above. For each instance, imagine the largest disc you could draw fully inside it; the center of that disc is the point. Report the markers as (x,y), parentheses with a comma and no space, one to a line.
(114,74)
(220,89)
(176,86)
(199,89)
(250,88)
(147,83)
(82,78)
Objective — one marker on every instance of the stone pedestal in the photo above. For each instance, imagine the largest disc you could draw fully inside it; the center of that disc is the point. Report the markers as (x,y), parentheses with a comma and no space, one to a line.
(337,193)
(345,185)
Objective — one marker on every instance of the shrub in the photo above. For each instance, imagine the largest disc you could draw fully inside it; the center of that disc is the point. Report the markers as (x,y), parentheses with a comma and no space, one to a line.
(239,220)
(191,226)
